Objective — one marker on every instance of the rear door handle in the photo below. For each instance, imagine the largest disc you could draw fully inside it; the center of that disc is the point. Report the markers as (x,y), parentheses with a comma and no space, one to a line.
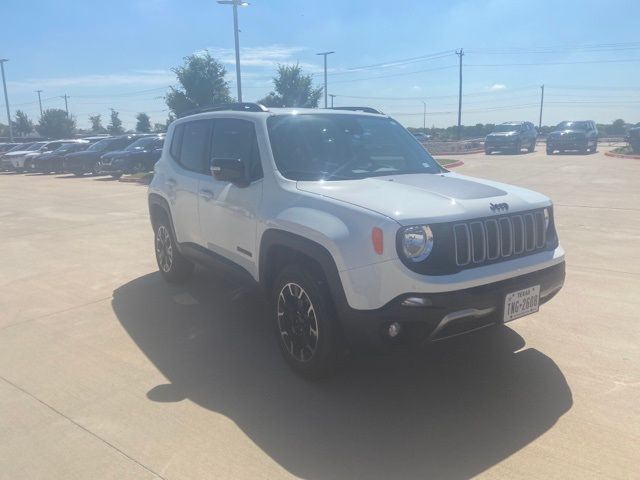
(207,195)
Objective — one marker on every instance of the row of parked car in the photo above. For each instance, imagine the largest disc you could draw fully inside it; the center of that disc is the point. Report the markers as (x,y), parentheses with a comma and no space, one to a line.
(99,155)
(580,136)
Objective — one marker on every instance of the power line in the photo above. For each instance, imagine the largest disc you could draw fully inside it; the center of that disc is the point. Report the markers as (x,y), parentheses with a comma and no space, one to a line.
(394,74)
(551,63)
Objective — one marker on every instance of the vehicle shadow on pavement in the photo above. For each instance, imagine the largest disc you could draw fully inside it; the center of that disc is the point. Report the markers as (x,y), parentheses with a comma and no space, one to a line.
(451,411)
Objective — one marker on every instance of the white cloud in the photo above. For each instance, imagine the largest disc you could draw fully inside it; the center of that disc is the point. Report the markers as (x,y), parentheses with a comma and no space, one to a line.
(417,88)
(264,57)
(139,77)
(498,86)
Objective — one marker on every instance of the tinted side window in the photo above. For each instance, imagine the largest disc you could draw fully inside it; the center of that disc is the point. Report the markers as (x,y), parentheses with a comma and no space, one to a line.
(194,145)
(237,139)
(176,139)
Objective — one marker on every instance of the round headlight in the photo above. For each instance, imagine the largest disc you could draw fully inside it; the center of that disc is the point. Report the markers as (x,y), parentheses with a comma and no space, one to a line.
(417,242)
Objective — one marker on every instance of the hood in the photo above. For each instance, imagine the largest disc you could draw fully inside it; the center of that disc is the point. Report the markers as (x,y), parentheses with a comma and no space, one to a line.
(503,134)
(427,198)
(560,133)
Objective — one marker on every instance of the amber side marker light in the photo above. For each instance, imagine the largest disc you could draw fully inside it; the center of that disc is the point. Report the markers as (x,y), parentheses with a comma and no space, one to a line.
(376,239)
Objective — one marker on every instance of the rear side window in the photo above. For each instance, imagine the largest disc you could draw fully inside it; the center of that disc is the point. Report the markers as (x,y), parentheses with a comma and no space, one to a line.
(236,139)
(193,145)
(176,138)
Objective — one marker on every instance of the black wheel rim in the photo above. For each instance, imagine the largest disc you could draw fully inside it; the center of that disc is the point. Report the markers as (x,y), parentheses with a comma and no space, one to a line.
(164,249)
(297,322)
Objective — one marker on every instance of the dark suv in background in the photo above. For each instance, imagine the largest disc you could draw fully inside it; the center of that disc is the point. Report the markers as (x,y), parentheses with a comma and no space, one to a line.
(511,136)
(138,157)
(88,161)
(581,136)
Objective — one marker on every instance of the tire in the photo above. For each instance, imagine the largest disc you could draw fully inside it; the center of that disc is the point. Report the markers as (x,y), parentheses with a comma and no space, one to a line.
(549,151)
(116,175)
(595,147)
(584,150)
(487,151)
(137,167)
(96,169)
(306,324)
(173,267)
(532,147)
(518,148)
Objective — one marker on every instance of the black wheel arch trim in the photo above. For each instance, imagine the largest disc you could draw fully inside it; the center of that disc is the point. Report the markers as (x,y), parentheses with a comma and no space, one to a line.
(156,200)
(280,238)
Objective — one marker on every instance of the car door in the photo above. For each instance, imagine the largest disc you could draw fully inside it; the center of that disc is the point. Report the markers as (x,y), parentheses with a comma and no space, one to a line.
(189,151)
(228,211)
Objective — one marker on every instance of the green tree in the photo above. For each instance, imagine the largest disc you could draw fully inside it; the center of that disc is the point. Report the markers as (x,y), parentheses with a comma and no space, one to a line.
(55,123)
(115,127)
(617,127)
(292,89)
(144,123)
(96,124)
(202,84)
(22,124)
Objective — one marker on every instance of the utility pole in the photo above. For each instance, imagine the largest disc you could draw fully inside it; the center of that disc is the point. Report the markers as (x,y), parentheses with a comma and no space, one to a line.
(541,105)
(424,117)
(324,54)
(460,54)
(332,97)
(236,32)
(66,104)
(6,99)
(39,100)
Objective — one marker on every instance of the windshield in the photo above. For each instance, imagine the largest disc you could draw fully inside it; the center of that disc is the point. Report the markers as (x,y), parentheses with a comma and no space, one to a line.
(507,128)
(20,148)
(572,126)
(102,145)
(342,147)
(143,144)
(35,146)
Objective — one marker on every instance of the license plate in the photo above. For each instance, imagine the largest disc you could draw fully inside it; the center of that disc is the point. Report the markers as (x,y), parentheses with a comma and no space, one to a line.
(521,303)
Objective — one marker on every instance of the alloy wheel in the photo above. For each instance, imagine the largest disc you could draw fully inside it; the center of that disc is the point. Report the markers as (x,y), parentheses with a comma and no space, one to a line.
(297,322)
(164,249)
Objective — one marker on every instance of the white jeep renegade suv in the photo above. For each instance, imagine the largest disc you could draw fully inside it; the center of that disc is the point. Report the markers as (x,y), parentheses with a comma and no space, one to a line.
(349,226)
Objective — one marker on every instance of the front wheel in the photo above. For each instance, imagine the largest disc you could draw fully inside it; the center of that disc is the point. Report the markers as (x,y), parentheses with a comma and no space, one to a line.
(306,323)
(487,151)
(173,267)
(532,147)
(517,148)
(549,151)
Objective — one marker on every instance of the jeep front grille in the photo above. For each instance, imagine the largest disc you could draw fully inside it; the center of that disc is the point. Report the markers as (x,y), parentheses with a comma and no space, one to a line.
(479,241)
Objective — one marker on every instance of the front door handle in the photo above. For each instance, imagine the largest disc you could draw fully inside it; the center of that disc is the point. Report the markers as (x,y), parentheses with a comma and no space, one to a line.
(207,195)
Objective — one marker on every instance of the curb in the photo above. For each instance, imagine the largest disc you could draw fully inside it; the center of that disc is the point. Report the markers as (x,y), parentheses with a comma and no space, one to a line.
(468,152)
(459,163)
(621,155)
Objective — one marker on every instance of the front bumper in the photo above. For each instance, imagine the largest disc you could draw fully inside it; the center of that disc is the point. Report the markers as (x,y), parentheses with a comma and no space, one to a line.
(445,314)
(567,143)
(504,142)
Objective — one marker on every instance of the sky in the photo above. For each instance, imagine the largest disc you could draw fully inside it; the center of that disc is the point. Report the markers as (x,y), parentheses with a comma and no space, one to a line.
(396,56)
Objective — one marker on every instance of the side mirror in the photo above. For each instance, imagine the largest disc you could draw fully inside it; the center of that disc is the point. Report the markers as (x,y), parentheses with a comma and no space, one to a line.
(229,170)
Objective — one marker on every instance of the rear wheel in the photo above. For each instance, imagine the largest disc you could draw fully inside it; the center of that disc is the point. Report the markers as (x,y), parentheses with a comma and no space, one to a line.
(306,323)
(488,151)
(549,151)
(518,147)
(96,169)
(532,147)
(173,266)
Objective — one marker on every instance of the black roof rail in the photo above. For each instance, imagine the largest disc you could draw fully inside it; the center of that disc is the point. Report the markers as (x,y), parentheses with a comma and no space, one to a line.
(359,109)
(236,107)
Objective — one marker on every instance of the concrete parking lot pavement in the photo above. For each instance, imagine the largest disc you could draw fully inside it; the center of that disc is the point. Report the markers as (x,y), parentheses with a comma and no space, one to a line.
(106,372)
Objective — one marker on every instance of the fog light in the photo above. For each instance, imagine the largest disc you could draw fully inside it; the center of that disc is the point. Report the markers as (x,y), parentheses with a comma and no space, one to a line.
(394,329)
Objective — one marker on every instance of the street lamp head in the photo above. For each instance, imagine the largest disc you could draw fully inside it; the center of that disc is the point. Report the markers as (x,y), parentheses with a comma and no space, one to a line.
(238,3)
(2,60)
(325,53)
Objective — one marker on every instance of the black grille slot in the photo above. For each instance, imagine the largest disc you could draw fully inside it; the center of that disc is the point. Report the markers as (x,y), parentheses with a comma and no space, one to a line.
(518,234)
(493,239)
(463,244)
(478,242)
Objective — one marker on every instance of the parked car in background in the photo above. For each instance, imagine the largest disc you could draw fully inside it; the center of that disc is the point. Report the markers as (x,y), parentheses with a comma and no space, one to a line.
(633,138)
(51,161)
(581,136)
(46,149)
(5,147)
(140,156)
(512,137)
(13,160)
(88,161)
(421,137)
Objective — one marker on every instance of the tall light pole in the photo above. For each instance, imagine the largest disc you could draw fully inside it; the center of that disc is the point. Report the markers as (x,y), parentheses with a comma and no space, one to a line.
(6,98)
(332,97)
(324,54)
(39,100)
(460,54)
(236,4)
(541,105)
(66,104)
(424,116)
